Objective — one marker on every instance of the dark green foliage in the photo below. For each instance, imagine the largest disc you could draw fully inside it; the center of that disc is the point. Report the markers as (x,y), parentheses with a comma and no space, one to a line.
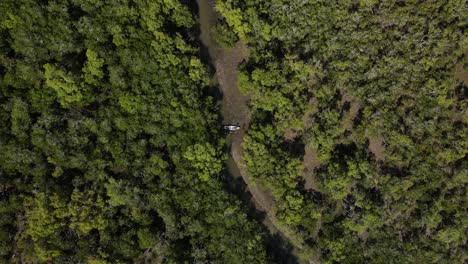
(111,151)
(224,35)
(394,62)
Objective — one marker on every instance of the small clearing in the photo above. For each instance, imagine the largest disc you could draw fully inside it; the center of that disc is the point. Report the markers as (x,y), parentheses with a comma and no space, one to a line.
(291,133)
(376,146)
(353,105)
(311,160)
(460,73)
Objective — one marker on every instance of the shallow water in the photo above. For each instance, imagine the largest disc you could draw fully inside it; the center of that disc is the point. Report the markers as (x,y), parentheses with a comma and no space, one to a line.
(207,21)
(235,110)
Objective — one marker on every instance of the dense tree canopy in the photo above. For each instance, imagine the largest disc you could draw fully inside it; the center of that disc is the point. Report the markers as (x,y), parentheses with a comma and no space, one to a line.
(370,87)
(111,151)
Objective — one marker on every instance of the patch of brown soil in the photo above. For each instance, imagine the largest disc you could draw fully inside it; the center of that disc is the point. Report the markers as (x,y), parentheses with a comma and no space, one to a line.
(461,74)
(347,122)
(376,146)
(363,235)
(460,117)
(311,110)
(291,133)
(310,162)
(312,82)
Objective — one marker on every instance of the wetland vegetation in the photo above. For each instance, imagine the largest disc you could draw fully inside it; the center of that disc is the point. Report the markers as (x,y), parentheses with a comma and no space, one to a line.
(352,143)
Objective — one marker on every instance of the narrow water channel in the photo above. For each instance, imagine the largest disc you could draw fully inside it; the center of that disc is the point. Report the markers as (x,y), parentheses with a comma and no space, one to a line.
(233,103)
(207,21)
(235,110)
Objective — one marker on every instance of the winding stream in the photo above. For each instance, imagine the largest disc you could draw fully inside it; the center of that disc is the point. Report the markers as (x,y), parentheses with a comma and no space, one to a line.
(235,110)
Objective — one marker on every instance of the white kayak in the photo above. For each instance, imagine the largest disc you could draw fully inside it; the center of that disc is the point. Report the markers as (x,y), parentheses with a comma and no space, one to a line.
(231,127)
